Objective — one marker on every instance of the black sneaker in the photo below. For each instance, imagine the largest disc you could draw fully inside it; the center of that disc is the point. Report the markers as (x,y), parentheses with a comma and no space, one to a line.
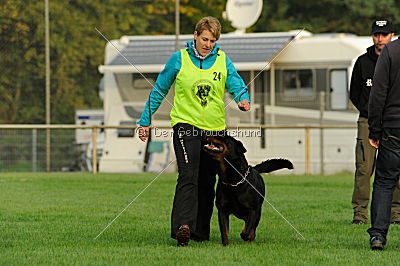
(183,235)
(377,243)
(355,221)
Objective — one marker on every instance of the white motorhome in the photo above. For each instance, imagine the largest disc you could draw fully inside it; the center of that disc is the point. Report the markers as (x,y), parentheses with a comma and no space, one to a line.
(291,76)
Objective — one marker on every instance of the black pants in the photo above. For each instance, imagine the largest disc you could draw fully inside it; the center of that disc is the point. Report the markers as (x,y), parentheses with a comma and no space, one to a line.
(386,176)
(194,194)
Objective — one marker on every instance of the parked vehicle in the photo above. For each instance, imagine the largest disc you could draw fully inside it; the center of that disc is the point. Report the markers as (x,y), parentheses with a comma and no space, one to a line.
(292,77)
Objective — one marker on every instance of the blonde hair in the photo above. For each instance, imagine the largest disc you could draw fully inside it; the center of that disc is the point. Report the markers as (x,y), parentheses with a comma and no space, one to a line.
(209,23)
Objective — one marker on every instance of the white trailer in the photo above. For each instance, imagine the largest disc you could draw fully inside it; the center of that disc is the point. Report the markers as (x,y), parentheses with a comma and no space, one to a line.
(291,71)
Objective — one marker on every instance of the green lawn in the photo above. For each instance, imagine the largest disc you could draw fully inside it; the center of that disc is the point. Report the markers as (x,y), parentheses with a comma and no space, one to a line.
(54,218)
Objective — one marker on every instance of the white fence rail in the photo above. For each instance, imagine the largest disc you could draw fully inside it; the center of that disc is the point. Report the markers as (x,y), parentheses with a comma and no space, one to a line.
(24,147)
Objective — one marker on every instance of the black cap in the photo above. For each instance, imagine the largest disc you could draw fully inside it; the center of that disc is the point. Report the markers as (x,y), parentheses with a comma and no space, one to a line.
(382,26)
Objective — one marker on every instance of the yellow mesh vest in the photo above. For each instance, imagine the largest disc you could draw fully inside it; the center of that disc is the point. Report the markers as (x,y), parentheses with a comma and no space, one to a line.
(199,94)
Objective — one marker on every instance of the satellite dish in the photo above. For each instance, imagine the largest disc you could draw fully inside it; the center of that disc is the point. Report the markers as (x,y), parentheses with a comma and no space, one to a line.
(243,13)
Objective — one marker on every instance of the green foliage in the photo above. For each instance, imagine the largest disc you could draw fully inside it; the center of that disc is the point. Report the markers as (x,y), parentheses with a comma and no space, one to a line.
(324,16)
(77,49)
(76,52)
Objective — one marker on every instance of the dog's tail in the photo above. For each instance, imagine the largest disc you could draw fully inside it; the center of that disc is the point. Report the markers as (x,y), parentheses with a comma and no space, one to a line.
(273,165)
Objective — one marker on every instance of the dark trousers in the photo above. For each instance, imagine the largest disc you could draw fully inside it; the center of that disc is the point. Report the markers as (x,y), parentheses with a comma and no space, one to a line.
(386,176)
(365,164)
(194,194)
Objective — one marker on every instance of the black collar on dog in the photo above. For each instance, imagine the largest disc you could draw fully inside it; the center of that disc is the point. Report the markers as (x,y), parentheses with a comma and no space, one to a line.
(241,181)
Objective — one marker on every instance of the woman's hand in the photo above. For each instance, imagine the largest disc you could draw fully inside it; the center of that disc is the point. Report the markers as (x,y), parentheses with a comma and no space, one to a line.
(143,133)
(244,105)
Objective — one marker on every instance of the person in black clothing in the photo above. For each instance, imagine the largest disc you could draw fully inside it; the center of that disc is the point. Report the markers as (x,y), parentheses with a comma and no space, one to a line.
(384,127)
(201,72)
(360,86)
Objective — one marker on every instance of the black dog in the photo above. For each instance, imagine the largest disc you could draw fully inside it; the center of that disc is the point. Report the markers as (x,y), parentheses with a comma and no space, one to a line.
(239,185)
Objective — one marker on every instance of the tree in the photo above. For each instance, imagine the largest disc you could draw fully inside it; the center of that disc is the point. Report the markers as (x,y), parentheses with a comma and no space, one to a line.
(325,16)
(77,49)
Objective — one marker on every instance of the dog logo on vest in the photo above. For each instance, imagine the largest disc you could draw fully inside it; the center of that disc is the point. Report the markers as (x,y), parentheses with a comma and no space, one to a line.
(202,91)
(369,83)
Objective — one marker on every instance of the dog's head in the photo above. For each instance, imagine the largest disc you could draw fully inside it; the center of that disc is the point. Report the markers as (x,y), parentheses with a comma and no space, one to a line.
(226,146)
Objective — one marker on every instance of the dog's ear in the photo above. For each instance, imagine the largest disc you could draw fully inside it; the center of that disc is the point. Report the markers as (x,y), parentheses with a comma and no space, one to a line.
(240,147)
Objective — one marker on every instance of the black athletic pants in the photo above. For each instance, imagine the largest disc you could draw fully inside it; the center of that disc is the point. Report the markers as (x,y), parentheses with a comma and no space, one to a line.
(386,176)
(194,194)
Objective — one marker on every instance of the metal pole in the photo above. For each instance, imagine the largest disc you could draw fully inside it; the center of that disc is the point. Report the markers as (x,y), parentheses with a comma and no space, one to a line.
(34,149)
(321,131)
(94,150)
(262,109)
(47,51)
(307,150)
(272,91)
(177,21)
(252,96)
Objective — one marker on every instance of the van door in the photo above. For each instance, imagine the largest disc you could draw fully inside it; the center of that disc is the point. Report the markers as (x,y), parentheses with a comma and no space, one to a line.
(338,88)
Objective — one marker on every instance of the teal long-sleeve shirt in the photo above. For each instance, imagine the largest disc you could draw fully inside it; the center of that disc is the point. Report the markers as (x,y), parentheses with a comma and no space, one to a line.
(234,83)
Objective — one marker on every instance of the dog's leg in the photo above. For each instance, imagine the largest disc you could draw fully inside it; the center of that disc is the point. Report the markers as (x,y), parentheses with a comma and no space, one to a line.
(252,234)
(223,220)
(249,231)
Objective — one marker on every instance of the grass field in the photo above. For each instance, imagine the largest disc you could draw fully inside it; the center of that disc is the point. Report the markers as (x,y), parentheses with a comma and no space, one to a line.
(54,218)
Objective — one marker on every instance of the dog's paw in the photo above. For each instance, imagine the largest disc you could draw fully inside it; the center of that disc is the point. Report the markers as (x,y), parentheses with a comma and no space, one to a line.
(244,236)
(225,243)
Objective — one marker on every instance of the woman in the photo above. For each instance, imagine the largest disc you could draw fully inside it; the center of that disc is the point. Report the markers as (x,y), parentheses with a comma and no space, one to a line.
(201,72)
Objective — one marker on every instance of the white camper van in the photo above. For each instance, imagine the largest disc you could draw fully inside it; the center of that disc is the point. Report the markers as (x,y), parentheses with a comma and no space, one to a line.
(291,75)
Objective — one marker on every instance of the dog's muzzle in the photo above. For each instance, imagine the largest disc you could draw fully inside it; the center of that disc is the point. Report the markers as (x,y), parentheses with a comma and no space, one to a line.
(214,148)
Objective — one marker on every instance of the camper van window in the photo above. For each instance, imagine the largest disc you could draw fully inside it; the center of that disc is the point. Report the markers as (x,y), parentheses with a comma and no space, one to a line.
(298,83)
(126,132)
(245,76)
(139,83)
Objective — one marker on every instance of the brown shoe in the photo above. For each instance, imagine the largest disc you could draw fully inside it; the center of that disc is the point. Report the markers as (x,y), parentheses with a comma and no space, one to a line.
(183,235)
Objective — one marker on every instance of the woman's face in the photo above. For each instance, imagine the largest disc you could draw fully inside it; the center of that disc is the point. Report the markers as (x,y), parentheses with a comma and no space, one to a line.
(204,42)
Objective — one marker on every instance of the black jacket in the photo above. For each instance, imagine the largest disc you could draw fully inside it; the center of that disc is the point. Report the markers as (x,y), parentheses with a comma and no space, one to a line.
(361,80)
(384,101)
